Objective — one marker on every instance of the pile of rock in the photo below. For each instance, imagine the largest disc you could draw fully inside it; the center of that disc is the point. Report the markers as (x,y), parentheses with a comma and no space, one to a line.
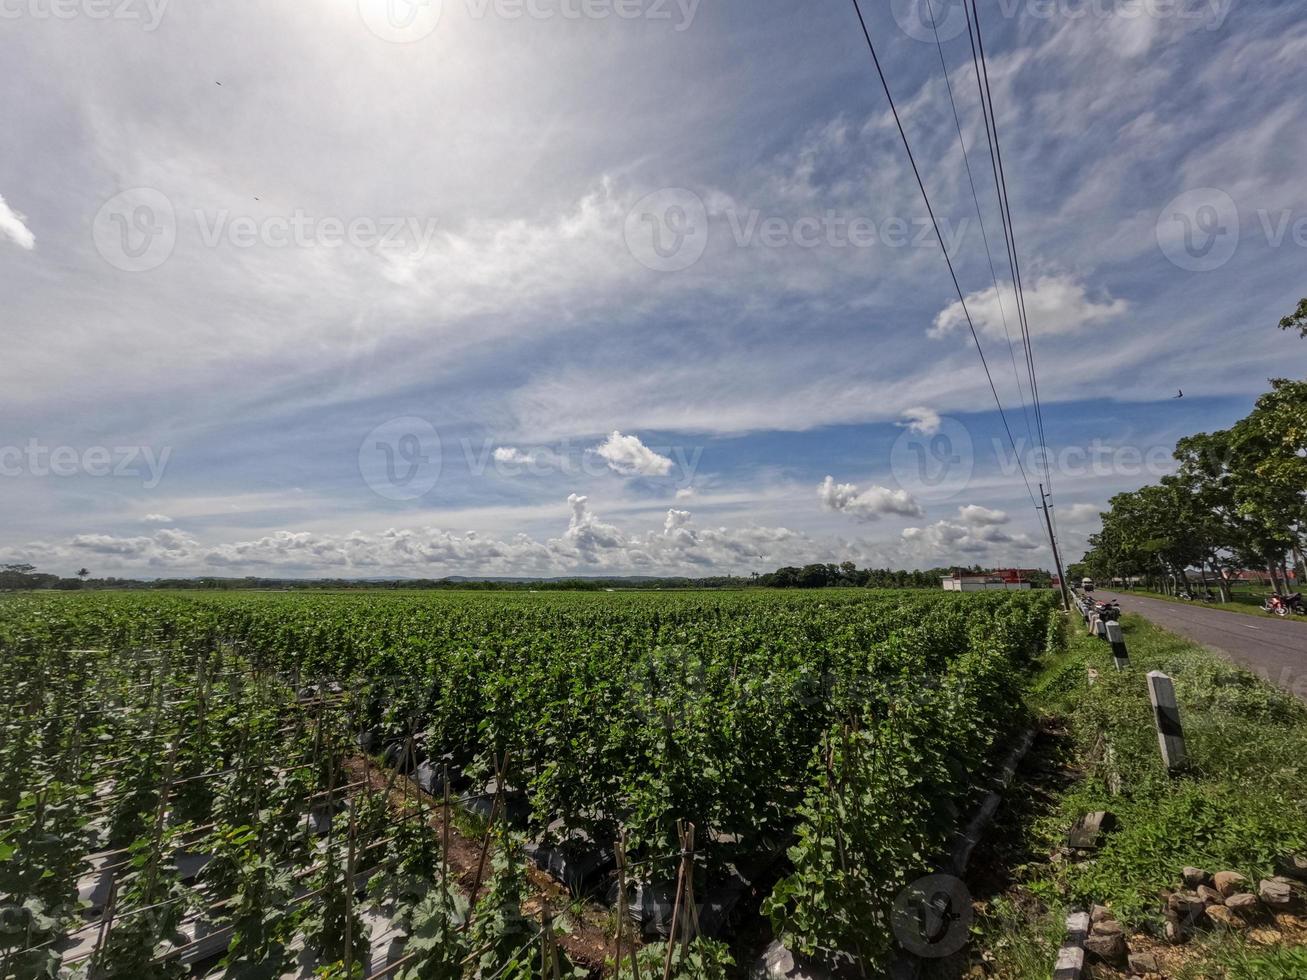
(1229,899)
(1106,943)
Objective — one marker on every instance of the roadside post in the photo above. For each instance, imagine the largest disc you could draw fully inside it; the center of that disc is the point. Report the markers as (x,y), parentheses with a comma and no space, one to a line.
(1166,715)
(1116,637)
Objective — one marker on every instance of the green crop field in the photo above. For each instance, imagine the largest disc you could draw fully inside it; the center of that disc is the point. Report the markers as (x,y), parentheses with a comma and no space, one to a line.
(827,743)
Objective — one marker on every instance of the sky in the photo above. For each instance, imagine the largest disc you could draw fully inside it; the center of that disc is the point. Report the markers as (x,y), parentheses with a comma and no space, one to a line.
(366,288)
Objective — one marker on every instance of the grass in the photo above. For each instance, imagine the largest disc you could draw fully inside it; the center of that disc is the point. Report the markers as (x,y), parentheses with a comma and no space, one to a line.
(1241,803)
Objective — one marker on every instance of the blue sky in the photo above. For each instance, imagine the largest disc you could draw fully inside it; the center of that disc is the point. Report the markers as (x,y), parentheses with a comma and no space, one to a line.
(346,288)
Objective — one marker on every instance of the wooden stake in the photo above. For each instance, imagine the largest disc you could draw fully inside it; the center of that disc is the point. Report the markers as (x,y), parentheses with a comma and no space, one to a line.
(623,912)
(676,908)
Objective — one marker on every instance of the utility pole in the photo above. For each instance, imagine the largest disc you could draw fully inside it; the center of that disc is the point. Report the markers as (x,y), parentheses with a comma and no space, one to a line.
(1057,559)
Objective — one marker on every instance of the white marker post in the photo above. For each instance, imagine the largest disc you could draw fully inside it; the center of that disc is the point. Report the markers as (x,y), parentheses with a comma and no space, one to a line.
(1116,637)
(1166,715)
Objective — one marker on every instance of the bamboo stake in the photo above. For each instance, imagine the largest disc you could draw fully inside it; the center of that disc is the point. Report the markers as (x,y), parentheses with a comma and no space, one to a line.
(676,908)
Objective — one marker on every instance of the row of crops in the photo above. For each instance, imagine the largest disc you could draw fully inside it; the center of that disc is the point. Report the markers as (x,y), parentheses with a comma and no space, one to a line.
(251,784)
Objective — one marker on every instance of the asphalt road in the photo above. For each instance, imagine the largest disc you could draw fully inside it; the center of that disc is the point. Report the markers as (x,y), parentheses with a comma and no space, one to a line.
(1274,649)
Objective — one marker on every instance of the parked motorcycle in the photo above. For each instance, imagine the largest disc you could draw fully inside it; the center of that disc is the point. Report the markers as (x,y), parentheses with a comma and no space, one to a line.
(1108,612)
(1285,605)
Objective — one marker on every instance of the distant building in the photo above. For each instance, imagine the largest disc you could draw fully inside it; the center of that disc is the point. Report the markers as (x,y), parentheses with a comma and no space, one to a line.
(1003,580)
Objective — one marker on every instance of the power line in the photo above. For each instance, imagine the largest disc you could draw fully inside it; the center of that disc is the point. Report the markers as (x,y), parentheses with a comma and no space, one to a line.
(943,248)
(971,180)
(1000,177)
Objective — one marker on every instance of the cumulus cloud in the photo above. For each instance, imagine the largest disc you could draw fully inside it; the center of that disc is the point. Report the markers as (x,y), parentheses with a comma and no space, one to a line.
(156,519)
(1079,513)
(974,515)
(944,541)
(867,505)
(1054,305)
(685,493)
(510,454)
(629,456)
(12,226)
(587,545)
(921,421)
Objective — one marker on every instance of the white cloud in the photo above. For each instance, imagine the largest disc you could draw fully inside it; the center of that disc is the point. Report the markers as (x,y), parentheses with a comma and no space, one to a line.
(976,516)
(628,456)
(1079,513)
(685,493)
(12,227)
(1054,305)
(510,454)
(870,504)
(921,421)
(945,542)
(156,519)
(588,545)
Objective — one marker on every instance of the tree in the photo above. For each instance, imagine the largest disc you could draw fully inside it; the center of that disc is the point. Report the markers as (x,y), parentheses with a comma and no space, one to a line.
(83,574)
(1297,320)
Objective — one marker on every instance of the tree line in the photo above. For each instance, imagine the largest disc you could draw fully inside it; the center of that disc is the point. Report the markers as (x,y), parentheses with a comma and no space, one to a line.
(1237,500)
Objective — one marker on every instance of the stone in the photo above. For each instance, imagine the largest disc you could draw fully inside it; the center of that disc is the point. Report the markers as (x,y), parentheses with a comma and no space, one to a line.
(1111,950)
(1108,927)
(1292,866)
(1144,963)
(1070,963)
(1210,895)
(1186,906)
(1099,912)
(1243,903)
(1228,882)
(1219,915)
(1279,896)
(1193,877)
(1175,934)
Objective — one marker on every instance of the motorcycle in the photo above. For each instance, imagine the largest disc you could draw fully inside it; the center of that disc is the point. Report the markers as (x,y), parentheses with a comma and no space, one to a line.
(1108,612)
(1284,605)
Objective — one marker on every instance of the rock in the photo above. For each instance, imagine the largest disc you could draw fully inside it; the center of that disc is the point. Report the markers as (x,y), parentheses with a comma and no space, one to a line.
(1186,906)
(1228,882)
(1278,894)
(1108,927)
(1292,866)
(1219,915)
(1175,933)
(1244,904)
(1111,950)
(1210,895)
(1099,912)
(1144,963)
(1193,877)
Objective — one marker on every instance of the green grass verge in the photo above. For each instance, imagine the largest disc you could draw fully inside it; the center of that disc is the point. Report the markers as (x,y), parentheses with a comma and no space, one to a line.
(1242,803)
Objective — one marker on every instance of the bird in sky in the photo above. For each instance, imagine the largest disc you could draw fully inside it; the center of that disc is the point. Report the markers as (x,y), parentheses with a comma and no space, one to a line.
(1181,395)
